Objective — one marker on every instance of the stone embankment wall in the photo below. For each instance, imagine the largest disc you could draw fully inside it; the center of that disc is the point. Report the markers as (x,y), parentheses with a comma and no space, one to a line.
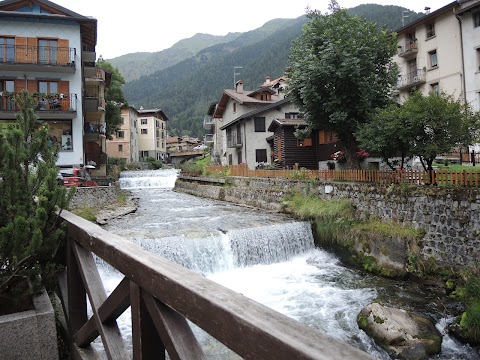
(93,197)
(450,217)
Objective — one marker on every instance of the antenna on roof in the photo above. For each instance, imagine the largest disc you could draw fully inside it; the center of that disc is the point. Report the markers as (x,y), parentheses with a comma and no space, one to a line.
(235,74)
(404,16)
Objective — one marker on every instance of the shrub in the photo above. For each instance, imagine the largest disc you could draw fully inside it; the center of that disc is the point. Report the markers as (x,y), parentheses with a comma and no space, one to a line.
(154,164)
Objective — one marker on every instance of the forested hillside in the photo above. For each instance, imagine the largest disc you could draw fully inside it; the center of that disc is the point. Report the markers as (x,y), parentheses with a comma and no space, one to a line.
(184,91)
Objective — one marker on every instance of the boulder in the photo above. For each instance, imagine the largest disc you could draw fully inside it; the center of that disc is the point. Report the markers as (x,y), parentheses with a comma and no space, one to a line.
(405,334)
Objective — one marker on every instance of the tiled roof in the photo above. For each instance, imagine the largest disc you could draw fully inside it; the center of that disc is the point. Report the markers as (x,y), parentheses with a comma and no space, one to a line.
(256,112)
(287,122)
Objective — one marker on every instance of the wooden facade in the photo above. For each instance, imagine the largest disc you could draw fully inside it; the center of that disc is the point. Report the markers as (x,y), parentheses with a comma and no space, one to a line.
(289,152)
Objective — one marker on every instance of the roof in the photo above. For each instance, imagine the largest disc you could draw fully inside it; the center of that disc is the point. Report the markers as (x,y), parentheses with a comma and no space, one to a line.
(273,82)
(428,17)
(153,112)
(468,8)
(242,98)
(287,122)
(88,26)
(256,112)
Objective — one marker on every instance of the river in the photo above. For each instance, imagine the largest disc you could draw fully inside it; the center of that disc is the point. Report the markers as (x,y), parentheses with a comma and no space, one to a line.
(266,256)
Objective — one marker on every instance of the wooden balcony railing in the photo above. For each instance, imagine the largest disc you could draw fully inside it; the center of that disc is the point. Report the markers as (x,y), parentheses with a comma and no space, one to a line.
(45,102)
(162,296)
(37,55)
(469,178)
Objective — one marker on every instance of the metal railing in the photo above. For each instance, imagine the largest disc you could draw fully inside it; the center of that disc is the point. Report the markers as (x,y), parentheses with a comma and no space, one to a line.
(234,140)
(411,79)
(406,48)
(37,55)
(45,102)
(162,296)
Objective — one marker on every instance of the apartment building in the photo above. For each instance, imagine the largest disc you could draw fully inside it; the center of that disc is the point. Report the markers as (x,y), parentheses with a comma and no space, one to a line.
(124,143)
(152,134)
(43,48)
(440,52)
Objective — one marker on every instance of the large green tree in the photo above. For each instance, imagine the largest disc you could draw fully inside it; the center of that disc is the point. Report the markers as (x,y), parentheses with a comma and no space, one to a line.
(424,126)
(114,97)
(29,200)
(341,69)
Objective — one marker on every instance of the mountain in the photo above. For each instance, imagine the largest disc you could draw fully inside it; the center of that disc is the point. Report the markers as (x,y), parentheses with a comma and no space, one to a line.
(184,90)
(134,65)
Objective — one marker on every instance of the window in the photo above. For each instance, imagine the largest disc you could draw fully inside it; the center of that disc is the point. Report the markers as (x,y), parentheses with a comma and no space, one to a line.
(435,88)
(120,147)
(305,142)
(476,19)
(261,155)
(47,51)
(122,122)
(478,58)
(6,103)
(259,124)
(432,55)
(157,123)
(7,49)
(230,159)
(144,154)
(430,30)
(120,134)
(292,115)
(48,87)
(239,156)
(144,121)
(234,107)
(144,131)
(326,137)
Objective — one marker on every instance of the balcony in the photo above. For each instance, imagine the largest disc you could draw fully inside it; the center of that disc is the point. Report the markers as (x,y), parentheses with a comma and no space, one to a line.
(235,140)
(208,139)
(94,130)
(49,106)
(408,49)
(92,73)
(208,122)
(37,58)
(89,56)
(411,79)
(94,101)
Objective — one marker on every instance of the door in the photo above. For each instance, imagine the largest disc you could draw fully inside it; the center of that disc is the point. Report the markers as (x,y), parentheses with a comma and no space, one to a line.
(7,49)
(7,102)
(412,71)
(47,51)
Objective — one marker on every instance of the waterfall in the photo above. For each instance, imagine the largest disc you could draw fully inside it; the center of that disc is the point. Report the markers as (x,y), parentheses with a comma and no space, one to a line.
(148,179)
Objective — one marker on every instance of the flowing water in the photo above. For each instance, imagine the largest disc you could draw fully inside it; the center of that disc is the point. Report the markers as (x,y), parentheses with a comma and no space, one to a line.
(267,257)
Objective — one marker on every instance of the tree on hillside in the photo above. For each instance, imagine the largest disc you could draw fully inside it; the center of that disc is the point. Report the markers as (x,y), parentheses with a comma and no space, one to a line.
(341,69)
(29,200)
(114,98)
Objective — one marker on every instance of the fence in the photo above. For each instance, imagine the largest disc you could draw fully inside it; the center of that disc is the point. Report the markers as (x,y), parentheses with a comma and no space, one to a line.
(162,296)
(468,178)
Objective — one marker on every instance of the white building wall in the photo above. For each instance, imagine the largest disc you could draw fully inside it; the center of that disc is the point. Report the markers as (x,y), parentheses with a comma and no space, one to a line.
(62,31)
(471,48)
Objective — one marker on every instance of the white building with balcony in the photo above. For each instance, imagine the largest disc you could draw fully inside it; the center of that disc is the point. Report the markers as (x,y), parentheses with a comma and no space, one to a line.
(152,134)
(42,46)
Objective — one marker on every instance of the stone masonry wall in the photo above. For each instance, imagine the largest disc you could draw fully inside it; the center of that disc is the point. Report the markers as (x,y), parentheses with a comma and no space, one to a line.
(450,217)
(93,197)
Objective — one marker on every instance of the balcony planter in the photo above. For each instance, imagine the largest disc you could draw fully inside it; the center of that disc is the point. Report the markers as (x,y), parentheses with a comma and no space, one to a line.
(30,334)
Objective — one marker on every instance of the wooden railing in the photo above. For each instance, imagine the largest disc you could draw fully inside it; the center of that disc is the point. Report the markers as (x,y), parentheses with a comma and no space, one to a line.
(162,296)
(470,178)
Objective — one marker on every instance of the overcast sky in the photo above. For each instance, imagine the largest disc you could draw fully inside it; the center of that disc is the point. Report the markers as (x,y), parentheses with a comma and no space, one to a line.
(149,25)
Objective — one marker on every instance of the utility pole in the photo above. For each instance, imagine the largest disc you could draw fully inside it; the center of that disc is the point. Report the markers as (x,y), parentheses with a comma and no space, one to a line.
(235,74)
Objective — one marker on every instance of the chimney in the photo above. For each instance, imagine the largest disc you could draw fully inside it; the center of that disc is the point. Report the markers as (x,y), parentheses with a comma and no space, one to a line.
(239,87)
(427,10)
(267,79)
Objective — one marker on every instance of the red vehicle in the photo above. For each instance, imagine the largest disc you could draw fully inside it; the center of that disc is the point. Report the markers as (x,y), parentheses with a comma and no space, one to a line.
(75,177)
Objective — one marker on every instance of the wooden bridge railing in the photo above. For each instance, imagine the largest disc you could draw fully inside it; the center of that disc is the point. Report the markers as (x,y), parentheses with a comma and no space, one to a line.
(470,178)
(162,296)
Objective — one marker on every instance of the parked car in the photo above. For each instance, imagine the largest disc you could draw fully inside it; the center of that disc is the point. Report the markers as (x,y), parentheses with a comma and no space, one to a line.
(200,147)
(75,177)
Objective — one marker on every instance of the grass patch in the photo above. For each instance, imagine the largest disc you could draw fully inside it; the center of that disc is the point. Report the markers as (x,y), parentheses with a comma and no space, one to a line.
(89,214)
(387,229)
(121,197)
(456,167)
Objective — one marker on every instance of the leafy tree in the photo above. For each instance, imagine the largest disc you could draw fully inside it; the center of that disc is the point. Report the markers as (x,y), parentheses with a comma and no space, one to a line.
(114,98)
(388,134)
(439,123)
(341,69)
(29,200)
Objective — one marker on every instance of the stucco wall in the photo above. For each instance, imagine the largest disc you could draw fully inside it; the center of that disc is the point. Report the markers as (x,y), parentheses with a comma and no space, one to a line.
(449,216)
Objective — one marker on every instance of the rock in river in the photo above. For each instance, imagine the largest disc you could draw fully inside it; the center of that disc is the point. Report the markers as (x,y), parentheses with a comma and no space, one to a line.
(405,334)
